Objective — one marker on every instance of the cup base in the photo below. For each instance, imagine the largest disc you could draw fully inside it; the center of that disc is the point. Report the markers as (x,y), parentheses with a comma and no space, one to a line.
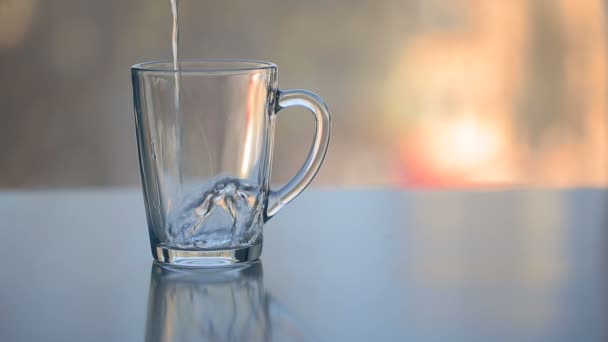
(210,258)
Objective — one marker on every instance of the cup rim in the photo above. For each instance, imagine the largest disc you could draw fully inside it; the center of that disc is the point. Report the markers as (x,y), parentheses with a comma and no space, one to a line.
(205,66)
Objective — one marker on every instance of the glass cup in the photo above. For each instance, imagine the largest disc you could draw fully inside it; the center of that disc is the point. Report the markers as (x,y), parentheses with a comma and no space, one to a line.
(205,138)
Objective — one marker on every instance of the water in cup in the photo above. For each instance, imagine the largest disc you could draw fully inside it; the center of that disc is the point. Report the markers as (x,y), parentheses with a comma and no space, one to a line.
(228,214)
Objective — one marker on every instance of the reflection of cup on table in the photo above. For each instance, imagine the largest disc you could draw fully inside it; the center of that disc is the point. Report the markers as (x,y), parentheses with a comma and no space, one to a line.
(215,305)
(205,137)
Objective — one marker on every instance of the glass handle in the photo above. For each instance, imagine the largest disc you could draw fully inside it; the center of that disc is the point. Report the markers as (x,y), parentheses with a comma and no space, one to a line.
(291,190)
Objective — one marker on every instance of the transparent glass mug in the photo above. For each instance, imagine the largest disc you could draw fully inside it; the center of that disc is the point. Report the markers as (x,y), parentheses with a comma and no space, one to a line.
(205,139)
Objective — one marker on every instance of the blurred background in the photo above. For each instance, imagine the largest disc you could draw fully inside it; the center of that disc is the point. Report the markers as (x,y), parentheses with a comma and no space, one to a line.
(424,93)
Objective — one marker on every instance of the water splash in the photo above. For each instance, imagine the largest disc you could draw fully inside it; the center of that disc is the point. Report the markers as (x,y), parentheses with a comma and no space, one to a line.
(228,214)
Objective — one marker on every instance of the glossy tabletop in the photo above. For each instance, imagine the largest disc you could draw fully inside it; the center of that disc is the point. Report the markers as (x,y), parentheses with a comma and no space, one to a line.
(348,265)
